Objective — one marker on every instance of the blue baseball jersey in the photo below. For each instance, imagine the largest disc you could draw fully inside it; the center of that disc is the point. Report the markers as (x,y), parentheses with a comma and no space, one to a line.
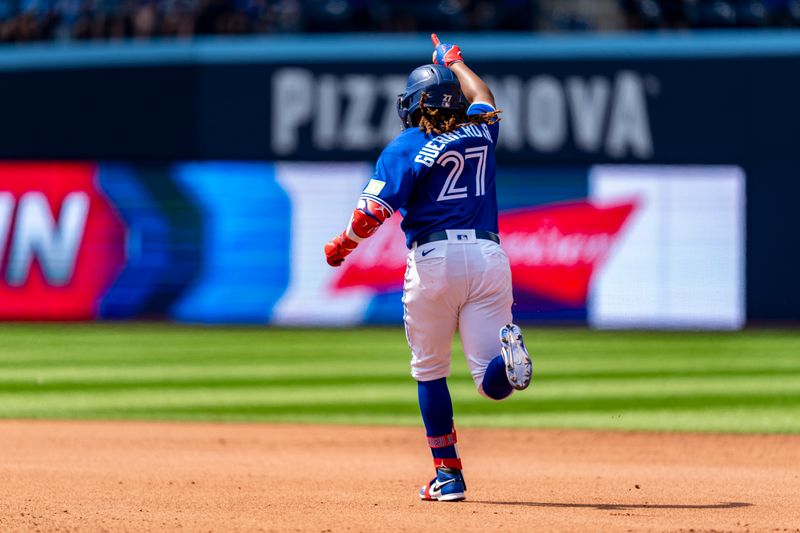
(439,182)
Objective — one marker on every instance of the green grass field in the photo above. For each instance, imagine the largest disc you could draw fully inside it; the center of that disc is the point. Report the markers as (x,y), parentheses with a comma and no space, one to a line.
(743,382)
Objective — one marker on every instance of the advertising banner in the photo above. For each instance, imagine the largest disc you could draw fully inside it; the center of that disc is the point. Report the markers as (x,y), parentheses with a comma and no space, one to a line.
(554,110)
(235,242)
(569,109)
(568,102)
(614,246)
(61,241)
(681,260)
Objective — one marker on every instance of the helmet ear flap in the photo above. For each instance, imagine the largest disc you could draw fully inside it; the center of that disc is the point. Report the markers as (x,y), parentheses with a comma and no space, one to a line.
(402,110)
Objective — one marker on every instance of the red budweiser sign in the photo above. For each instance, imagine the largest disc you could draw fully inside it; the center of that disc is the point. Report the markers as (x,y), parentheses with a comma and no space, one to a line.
(554,250)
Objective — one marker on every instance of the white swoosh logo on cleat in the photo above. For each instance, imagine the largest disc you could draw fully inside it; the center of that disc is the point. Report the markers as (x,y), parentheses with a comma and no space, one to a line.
(437,487)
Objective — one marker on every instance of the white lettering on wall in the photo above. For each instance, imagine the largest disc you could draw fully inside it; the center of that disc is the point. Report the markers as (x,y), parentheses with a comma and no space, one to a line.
(629,125)
(588,100)
(37,235)
(6,218)
(546,119)
(361,92)
(508,95)
(326,123)
(292,106)
(606,115)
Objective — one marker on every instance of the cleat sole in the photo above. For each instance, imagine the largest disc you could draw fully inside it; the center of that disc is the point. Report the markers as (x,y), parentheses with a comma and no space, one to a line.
(519,368)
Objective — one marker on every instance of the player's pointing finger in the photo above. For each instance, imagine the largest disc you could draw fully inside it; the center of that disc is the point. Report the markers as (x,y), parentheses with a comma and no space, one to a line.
(434,39)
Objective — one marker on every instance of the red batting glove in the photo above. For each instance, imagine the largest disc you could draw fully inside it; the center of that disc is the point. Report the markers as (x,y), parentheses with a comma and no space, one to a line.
(338,248)
(445,54)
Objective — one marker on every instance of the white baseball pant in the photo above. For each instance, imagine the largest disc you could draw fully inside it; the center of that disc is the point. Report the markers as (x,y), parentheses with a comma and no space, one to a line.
(459,283)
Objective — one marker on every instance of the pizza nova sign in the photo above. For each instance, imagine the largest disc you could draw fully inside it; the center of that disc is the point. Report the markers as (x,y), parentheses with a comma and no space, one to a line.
(604,115)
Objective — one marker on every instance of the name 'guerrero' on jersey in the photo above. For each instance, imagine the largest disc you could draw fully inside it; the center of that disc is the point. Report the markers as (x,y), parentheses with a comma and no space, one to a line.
(428,153)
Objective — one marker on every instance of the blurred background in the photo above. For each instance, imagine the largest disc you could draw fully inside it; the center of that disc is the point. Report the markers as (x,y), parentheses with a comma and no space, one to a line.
(38,20)
(187,160)
(184,161)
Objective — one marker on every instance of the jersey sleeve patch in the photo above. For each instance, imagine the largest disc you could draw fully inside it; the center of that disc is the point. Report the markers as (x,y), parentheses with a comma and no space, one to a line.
(374,186)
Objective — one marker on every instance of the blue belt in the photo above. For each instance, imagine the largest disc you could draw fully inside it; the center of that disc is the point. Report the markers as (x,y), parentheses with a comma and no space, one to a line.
(442,236)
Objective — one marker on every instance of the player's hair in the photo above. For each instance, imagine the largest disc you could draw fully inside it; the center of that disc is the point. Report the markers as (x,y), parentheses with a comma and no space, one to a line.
(439,120)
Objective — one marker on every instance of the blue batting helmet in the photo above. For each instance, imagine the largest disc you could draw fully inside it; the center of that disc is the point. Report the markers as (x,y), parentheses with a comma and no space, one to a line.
(440,86)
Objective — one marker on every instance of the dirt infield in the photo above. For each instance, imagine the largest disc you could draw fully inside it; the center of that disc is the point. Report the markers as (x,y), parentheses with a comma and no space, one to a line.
(118,476)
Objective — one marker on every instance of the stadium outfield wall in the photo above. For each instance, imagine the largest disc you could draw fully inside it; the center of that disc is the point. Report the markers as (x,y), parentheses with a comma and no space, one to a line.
(645,180)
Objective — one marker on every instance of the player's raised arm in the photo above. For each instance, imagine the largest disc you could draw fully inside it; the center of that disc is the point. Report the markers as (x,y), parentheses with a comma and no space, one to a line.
(473,87)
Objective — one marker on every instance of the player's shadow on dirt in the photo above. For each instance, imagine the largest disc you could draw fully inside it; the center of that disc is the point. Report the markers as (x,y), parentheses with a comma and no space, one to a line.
(621,506)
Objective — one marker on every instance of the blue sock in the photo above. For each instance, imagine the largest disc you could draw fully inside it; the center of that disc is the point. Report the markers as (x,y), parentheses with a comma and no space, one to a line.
(437,414)
(495,383)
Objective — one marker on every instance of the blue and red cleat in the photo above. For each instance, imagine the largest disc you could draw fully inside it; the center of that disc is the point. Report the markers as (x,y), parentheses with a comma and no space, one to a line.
(447,486)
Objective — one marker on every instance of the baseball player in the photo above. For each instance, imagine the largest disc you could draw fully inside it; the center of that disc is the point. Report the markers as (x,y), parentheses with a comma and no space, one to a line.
(440,174)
